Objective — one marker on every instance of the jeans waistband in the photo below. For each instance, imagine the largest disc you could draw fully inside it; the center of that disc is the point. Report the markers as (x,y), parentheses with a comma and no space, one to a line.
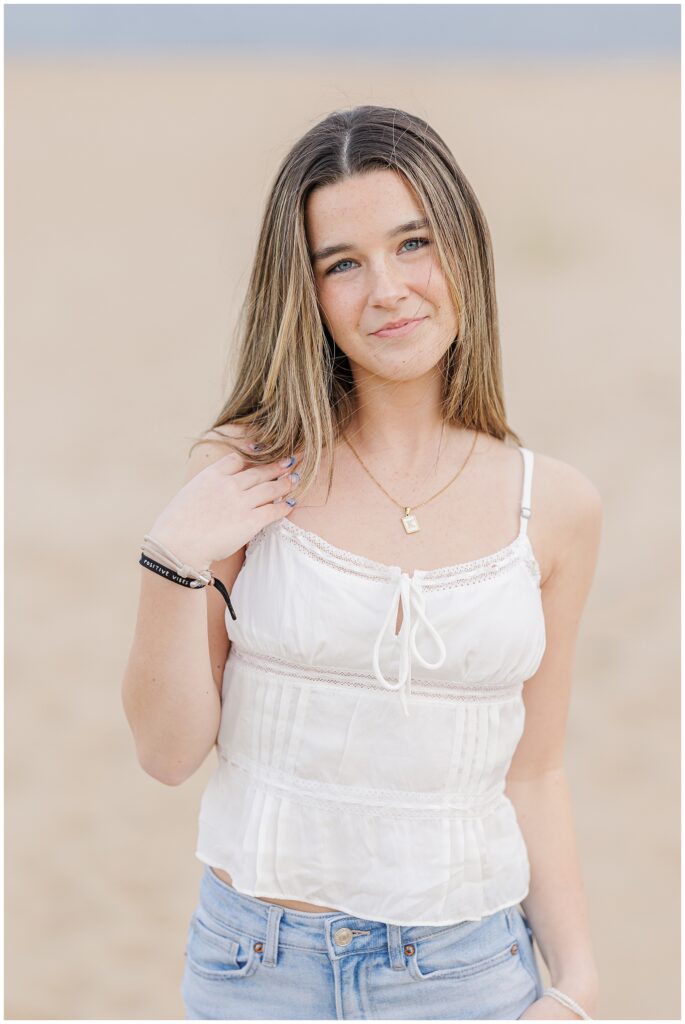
(331,932)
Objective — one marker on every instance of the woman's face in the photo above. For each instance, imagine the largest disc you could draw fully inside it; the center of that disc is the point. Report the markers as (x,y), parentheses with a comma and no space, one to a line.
(383,270)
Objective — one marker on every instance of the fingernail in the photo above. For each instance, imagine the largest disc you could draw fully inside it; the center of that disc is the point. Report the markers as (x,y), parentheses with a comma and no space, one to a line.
(290,461)
(291,501)
(295,477)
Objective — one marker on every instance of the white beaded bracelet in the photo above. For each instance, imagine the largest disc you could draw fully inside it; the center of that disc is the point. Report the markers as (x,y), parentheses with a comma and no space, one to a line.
(566,1001)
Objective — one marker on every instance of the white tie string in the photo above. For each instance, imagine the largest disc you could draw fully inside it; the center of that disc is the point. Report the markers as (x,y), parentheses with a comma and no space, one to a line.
(408,593)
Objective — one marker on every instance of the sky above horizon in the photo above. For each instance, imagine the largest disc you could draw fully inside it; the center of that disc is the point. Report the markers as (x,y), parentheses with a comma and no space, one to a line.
(381,29)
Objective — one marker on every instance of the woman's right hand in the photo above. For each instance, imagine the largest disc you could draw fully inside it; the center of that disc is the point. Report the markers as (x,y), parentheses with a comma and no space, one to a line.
(222,507)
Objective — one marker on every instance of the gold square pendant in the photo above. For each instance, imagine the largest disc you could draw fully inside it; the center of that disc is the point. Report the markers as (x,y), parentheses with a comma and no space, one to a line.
(410,522)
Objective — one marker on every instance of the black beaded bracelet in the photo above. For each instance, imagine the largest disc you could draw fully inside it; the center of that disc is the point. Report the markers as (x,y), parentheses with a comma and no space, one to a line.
(169,574)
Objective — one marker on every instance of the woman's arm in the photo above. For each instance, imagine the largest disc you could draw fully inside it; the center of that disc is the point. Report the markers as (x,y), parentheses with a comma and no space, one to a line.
(179,646)
(536,781)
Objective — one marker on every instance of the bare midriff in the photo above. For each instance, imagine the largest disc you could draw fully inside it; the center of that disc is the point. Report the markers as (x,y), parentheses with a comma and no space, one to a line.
(311,908)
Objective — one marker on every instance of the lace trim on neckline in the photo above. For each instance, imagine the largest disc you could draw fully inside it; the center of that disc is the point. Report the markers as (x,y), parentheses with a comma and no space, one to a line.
(460,573)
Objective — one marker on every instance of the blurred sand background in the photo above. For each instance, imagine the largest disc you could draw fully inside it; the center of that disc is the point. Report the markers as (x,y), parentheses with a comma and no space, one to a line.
(134,190)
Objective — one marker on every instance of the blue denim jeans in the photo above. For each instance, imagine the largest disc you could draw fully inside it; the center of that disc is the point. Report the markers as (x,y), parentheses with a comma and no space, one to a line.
(247,960)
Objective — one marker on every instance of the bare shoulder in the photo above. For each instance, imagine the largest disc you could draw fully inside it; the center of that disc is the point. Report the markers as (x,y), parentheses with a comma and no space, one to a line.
(211,446)
(571,496)
(568,508)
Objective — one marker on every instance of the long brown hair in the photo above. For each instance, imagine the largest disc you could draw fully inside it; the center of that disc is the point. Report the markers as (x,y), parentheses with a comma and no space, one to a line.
(293,388)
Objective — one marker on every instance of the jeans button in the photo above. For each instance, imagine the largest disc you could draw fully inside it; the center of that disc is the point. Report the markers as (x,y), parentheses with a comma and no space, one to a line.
(342,936)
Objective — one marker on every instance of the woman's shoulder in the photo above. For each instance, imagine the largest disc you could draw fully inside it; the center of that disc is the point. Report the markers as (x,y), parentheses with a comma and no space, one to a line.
(565,487)
(554,479)
(567,506)
(211,446)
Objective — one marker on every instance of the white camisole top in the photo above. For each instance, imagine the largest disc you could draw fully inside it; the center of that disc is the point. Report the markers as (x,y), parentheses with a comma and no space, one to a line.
(362,769)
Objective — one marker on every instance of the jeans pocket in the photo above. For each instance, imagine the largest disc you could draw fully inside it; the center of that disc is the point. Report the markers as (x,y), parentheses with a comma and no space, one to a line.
(217,952)
(472,949)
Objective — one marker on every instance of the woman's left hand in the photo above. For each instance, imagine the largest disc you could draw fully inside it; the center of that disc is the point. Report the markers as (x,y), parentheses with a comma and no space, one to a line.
(548,1008)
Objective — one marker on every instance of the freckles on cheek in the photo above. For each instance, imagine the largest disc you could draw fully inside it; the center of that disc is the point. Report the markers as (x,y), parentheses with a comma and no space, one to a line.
(328,298)
(343,313)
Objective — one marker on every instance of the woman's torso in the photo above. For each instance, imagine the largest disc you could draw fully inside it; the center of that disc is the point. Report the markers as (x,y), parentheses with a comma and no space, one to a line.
(474,516)
(290,904)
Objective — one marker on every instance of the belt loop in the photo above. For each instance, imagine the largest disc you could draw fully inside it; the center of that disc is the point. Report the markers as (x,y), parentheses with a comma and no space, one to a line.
(395,947)
(271,944)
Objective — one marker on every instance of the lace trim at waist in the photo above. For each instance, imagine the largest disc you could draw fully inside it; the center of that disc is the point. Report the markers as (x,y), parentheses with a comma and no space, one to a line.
(391,803)
(431,689)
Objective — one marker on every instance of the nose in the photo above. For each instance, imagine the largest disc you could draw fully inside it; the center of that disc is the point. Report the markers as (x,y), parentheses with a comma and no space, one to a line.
(386,286)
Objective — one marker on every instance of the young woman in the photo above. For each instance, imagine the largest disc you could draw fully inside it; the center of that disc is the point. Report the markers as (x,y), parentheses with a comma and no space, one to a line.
(389,685)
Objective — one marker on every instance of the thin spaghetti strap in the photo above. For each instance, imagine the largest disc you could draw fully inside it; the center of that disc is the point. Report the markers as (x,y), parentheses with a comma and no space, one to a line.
(526,489)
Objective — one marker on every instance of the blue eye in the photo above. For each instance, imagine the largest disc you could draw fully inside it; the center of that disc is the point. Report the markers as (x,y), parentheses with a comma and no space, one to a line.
(422,242)
(334,268)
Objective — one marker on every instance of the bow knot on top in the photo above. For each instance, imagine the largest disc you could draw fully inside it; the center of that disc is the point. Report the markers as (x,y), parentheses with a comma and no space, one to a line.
(410,596)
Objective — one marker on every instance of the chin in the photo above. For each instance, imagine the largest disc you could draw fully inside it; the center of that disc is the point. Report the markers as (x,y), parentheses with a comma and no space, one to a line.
(403,369)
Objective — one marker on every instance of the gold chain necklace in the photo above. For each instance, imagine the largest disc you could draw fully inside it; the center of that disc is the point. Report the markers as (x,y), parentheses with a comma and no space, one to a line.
(409,520)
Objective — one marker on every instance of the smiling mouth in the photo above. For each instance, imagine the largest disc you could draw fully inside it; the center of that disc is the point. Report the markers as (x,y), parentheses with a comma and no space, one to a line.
(405,328)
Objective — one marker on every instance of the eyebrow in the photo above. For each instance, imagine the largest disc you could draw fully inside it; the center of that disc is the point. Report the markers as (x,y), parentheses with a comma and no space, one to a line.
(332,250)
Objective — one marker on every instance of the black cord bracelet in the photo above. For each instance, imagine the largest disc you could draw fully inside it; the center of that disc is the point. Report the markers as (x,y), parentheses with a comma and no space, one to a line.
(169,574)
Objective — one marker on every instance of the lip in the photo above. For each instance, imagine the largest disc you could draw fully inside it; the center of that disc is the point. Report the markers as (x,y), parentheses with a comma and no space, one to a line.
(395,332)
